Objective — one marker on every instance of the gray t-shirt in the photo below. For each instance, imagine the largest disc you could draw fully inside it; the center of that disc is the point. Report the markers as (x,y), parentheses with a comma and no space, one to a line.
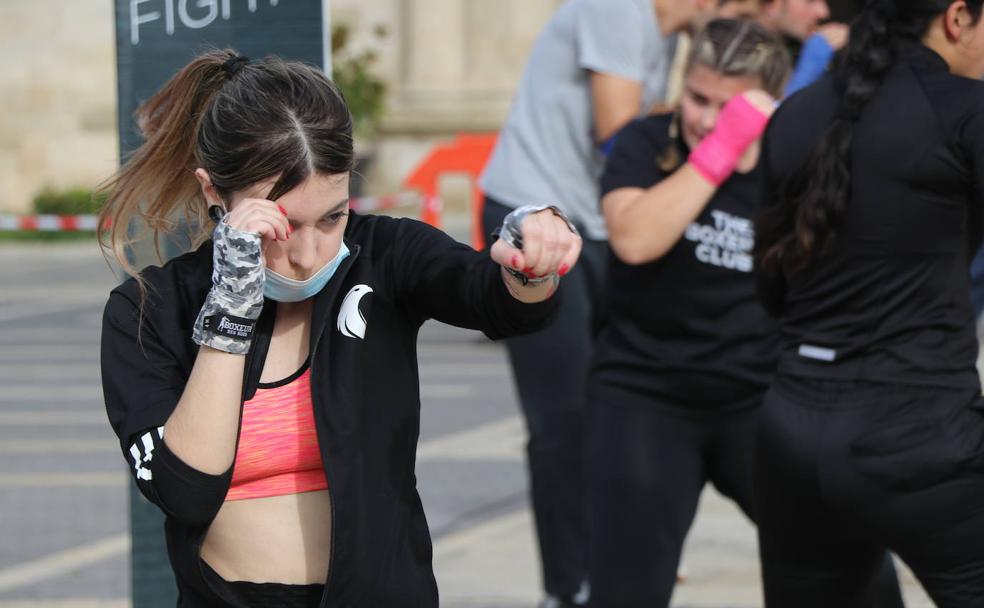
(546,153)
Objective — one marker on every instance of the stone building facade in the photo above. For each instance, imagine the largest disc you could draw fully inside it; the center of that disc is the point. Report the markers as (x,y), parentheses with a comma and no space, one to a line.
(451,66)
(58,99)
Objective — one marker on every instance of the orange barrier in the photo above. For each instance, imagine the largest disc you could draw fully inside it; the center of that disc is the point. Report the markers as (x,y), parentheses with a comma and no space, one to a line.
(466,153)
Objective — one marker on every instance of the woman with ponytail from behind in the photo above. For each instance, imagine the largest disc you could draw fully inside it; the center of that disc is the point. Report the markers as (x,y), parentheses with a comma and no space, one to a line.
(872,434)
(264,387)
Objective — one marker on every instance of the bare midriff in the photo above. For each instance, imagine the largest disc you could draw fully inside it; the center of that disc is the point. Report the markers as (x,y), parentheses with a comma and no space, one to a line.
(286,537)
(279,539)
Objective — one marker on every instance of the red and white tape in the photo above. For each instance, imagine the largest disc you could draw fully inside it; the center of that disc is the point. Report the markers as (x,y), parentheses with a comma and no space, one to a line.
(390,201)
(48,223)
(78,223)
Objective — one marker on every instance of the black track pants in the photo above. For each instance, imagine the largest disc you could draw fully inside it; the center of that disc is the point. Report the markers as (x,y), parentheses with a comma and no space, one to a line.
(647,468)
(846,470)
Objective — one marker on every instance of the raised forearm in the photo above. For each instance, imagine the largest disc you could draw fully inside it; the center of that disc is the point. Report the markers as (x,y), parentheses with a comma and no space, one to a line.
(643,225)
(203,428)
(615,101)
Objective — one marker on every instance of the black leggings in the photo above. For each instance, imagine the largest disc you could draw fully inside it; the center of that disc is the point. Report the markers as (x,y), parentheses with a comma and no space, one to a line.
(846,470)
(647,467)
(265,595)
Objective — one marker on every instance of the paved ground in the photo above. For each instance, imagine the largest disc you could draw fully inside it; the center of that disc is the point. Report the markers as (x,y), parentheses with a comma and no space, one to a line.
(63,493)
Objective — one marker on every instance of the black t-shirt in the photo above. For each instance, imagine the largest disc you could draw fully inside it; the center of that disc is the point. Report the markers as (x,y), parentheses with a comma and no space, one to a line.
(686,329)
(890,301)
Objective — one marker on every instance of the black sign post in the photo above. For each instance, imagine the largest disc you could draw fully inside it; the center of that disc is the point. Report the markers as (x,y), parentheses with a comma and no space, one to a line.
(154,39)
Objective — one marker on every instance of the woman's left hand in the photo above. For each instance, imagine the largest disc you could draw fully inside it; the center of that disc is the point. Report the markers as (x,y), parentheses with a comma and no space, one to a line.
(766,104)
(548,246)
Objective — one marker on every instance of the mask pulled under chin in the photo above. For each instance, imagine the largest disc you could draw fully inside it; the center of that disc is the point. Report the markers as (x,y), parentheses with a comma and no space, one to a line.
(281,289)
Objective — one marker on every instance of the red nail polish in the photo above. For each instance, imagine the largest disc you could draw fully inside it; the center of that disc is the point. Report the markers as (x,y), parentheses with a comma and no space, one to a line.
(564,269)
(282,210)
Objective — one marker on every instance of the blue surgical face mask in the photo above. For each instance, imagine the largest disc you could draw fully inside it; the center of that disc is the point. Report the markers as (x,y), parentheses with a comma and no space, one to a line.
(278,287)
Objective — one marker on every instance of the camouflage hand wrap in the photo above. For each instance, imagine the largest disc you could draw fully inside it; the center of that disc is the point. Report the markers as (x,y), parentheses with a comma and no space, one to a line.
(227,319)
(511,232)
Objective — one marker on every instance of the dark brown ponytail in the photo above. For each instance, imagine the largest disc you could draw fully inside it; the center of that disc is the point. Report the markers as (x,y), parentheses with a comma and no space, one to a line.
(793,234)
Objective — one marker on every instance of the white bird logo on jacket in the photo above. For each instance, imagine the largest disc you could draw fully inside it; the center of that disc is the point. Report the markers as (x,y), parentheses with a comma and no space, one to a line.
(351,322)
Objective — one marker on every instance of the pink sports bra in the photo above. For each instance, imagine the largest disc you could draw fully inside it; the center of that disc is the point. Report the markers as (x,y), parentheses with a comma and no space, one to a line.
(278,446)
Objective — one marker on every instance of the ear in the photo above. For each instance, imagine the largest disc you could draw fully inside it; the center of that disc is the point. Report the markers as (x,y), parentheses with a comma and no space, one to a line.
(208,190)
(956,20)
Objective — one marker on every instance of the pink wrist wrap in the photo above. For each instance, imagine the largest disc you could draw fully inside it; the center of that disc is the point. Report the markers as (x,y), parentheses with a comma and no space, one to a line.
(738,126)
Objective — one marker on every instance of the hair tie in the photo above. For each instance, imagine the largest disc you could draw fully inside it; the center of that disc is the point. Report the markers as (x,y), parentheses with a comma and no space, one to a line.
(232,65)
(216,213)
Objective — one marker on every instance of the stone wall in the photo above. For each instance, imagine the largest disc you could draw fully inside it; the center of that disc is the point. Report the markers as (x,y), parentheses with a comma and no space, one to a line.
(57,108)
(452,66)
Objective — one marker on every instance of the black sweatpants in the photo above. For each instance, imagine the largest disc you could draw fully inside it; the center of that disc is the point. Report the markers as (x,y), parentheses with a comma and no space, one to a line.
(846,470)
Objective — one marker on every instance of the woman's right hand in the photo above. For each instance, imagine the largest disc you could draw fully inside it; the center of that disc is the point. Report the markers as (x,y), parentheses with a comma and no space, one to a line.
(228,316)
(260,216)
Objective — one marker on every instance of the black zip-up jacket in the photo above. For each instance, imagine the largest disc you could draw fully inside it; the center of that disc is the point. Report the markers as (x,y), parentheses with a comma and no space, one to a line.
(365,392)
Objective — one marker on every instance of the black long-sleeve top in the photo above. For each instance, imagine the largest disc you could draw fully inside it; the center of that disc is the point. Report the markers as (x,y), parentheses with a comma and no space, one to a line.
(890,302)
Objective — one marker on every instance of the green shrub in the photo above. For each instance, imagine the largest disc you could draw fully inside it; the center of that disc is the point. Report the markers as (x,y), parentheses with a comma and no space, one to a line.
(74,201)
(352,71)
